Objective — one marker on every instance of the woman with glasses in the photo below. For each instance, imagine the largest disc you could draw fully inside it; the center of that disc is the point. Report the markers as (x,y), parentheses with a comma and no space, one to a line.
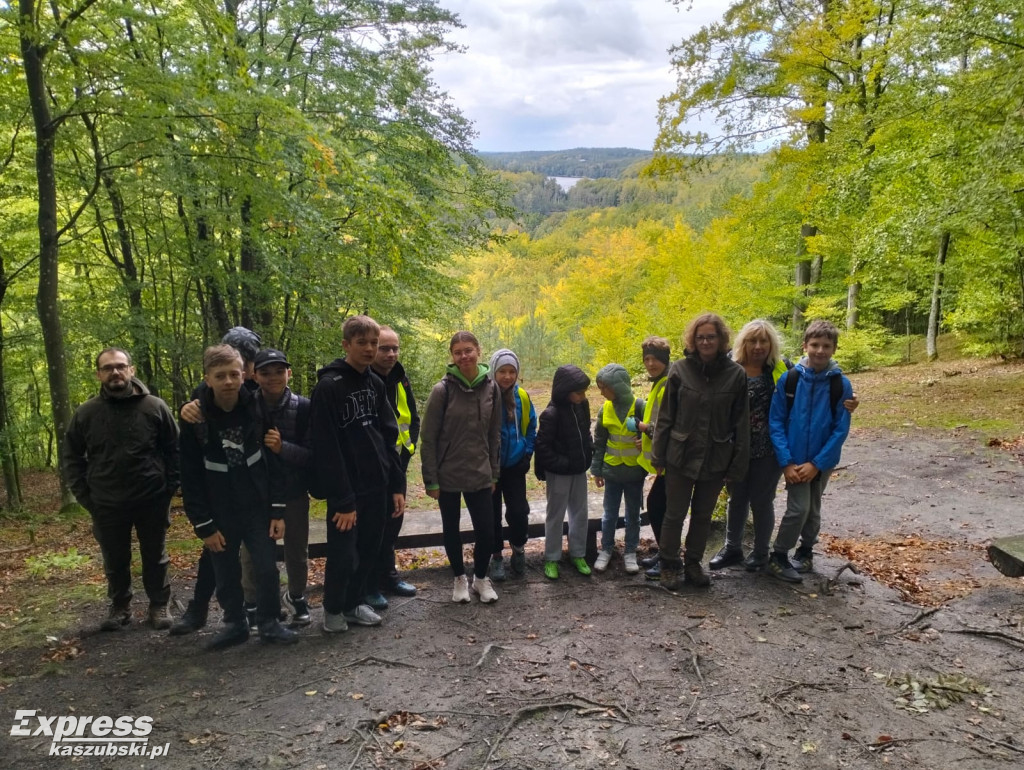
(460,444)
(701,440)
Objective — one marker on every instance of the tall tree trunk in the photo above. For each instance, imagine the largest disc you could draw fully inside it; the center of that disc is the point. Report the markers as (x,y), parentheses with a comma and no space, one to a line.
(935,312)
(34,53)
(802,276)
(8,454)
(852,310)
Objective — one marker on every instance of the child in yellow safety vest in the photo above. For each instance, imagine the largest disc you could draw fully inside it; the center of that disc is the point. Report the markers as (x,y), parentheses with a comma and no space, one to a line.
(616,466)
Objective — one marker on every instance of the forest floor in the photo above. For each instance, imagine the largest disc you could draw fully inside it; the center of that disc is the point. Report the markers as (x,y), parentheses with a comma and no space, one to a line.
(916,661)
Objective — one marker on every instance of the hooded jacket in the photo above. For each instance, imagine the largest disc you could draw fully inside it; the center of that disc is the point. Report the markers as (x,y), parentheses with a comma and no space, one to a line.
(703,429)
(616,377)
(807,430)
(353,435)
(564,445)
(226,472)
(121,450)
(460,440)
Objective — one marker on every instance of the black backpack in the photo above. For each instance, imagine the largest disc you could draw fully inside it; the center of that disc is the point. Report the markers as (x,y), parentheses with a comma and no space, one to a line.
(835,391)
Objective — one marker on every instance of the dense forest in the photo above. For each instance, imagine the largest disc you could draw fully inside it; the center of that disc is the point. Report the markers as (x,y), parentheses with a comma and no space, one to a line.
(174,169)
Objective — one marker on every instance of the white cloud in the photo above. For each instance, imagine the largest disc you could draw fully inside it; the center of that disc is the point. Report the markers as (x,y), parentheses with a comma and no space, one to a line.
(555,74)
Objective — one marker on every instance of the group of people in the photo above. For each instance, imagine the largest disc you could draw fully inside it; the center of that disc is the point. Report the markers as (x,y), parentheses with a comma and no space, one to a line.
(250,453)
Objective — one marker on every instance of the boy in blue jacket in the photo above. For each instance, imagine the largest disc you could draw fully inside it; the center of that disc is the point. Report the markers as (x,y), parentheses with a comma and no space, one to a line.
(808,427)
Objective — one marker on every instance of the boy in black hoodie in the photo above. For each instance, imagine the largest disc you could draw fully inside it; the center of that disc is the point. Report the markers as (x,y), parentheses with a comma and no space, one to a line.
(562,454)
(230,487)
(354,436)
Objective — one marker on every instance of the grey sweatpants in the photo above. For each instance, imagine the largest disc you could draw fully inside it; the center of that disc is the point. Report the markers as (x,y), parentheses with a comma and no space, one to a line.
(566,493)
(803,514)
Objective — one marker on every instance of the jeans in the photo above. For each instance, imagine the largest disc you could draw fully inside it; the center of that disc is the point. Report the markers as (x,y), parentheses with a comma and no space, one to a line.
(756,494)
(566,493)
(251,528)
(697,497)
(352,555)
(481,514)
(113,532)
(512,487)
(614,491)
(803,514)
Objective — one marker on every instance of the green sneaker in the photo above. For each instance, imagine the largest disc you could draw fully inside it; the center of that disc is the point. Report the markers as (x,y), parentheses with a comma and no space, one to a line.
(551,570)
(581,565)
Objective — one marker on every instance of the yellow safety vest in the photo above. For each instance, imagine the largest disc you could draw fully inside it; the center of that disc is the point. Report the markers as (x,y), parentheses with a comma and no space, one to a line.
(621,449)
(524,421)
(403,416)
(779,370)
(650,414)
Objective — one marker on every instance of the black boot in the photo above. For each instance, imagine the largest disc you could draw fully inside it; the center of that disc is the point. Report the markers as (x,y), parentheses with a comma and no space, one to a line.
(191,620)
(230,635)
(274,632)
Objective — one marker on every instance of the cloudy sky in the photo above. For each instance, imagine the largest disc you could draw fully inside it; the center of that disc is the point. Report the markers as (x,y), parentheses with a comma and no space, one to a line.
(557,74)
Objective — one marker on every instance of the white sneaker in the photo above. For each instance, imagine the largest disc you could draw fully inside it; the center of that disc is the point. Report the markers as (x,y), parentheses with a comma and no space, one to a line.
(603,559)
(631,566)
(334,624)
(482,587)
(363,615)
(461,592)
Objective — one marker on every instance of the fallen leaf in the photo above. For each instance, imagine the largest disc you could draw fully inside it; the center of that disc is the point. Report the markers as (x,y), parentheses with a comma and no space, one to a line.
(310,692)
(357,696)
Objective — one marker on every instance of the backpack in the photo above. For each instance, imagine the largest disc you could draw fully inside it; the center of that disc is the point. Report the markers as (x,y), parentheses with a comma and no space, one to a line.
(835,391)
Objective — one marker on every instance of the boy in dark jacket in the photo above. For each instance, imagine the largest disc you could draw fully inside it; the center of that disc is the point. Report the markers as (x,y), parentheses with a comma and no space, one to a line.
(562,454)
(358,471)
(808,430)
(230,487)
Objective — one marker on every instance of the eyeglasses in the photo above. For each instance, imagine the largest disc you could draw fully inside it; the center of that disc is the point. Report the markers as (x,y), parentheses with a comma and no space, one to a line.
(706,338)
(111,368)
(388,348)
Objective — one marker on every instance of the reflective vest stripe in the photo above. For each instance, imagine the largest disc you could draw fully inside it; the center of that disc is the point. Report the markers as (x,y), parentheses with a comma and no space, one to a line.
(621,448)
(650,415)
(404,415)
(251,460)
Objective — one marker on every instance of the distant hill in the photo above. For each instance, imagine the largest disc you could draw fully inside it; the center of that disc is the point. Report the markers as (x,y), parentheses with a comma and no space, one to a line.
(592,162)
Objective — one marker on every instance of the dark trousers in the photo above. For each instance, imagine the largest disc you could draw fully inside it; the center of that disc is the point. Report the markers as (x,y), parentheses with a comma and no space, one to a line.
(386,569)
(481,513)
(352,555)
(206,580)
(756,494)
(113,531)
(697,497)
(253,530)
(512,487)
(656,504)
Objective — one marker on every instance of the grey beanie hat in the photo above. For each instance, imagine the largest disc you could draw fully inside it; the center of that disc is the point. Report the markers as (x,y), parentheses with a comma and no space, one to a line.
(502,358)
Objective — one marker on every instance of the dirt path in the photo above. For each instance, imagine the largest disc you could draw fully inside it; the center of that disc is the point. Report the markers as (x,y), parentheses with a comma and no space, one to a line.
(612,672)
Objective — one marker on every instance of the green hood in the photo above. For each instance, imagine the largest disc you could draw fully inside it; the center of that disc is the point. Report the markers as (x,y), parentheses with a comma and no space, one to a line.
(616,377)
(481,375)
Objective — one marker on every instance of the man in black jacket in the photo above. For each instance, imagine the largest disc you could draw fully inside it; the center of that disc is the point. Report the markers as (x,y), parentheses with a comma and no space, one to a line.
(232,490)
(399,392)
(121,461)
(353,436)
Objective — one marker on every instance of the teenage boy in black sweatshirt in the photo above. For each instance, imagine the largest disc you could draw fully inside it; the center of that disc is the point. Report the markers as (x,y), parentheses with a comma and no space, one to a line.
(353,436)
(230,487)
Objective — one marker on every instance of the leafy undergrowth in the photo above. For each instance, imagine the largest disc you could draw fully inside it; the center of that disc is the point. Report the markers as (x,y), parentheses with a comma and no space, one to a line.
(915,567)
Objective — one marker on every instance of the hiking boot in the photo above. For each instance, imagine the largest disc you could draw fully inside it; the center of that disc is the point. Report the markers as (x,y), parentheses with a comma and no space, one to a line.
(362,615)
(191,620)
(482,587)
(654,573)
(629,560)
(778,566)
(118,616)
(755,563)
(334,623)
(581,565)
(402,588)
(603,559)
(299,608)
(551,570)
(518,561)
(695,575)
(670,578)
(803,560)
(250,616)
(497,569)
(460,593)
(230,635)
(650,560)
(376,601)
(159,617)
(727,557)
(274,633)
